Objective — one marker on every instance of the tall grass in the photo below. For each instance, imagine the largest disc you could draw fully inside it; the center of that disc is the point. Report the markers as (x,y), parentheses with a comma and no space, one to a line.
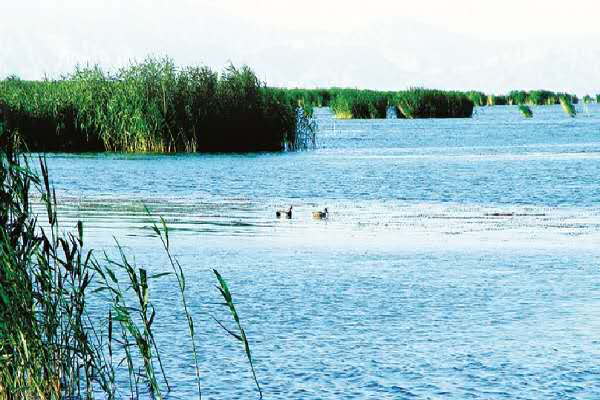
(355,103)
(478,98)
(151,106)
(428,103)
(567,106)
(526,111)
(52,345)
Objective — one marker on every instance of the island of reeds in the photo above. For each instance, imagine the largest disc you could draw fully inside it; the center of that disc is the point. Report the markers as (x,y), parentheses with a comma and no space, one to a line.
(151,106)
(154,106)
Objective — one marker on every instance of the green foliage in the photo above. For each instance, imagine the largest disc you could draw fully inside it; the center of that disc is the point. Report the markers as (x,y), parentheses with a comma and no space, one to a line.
(587,99)
(478,98)
(428,103)
(150,107)
(567,106)
(526,111)
(356,103)
(53,344)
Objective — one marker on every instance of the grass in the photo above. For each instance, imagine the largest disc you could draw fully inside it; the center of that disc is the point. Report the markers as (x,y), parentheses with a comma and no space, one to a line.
(567,106)
(428,103)
(526,111)
(151,106)
(52,346)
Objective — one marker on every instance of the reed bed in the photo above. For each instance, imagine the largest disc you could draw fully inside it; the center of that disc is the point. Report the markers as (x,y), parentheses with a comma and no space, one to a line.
(51,345)
(151,106)
(478,98)
(428,103)
(363,104)
(526,111)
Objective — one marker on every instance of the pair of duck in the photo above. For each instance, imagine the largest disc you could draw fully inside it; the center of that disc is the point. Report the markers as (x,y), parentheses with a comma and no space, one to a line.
(288,214)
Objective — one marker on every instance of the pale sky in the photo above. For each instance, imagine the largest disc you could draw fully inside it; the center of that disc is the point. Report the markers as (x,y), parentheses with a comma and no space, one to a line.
(454,44)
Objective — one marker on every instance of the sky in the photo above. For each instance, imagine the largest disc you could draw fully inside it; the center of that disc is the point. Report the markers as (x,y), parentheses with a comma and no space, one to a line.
(494,46)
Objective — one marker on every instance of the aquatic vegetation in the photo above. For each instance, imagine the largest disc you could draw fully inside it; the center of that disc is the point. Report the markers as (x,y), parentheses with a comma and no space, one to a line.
(355,103)
(567,106)
(428,103)
(587,99)
(52,343)
(526,111)
(150,106)
(478,98)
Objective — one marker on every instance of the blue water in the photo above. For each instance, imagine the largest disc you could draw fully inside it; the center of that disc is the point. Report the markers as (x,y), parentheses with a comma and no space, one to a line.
(461,258)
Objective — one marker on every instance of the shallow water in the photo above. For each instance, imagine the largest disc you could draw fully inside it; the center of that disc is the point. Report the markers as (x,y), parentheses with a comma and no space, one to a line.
(461,258)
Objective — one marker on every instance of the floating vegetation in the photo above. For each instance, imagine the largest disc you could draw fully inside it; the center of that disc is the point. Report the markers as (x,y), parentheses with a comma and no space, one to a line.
(74,326)
(151,106)
(428,103)
(526,111)
(567,106)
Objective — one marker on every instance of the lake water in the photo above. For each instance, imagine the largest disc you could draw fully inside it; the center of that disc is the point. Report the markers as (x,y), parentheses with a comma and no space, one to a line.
(461,258)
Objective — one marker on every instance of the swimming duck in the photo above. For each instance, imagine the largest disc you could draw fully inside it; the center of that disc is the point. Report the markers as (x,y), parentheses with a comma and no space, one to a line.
(320,214)
(287,214)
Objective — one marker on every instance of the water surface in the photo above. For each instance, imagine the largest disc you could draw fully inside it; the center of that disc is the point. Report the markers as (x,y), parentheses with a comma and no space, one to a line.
(461,259)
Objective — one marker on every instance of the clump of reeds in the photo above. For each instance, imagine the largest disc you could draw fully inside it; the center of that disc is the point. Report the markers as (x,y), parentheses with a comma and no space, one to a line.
(356,103)
(526,111)
(567,106)
(52,346)
(428,103)
(151,106)
(478,98)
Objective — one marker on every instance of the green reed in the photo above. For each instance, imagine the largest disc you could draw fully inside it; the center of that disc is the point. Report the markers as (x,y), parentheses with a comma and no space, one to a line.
(151,106)
(51,345)
(526,111)
(428,103)
(567,106)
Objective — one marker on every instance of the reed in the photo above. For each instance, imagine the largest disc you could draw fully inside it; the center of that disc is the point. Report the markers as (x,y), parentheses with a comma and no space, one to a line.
(53,345)
(151,106)
(355,103)
(428,103)
(567,106)
(526,111)
(478,98)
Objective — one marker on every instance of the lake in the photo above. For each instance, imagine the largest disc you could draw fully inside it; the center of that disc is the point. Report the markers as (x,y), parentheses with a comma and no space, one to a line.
(461,258)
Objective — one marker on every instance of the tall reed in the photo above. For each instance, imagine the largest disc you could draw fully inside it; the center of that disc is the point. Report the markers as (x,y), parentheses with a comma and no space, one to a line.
(526,111)
(428,103)
(151,106)
(52,345)
(567,106)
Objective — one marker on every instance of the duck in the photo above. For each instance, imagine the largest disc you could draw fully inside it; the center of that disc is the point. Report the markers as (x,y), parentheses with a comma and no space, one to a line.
(321,214)
(287,214)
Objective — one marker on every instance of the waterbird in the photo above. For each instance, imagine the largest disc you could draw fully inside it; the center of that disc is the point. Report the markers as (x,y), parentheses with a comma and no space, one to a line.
(321,214)
(287,214)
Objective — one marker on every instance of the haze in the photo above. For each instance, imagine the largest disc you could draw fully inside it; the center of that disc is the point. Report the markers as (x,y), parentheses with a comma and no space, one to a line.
(459,44)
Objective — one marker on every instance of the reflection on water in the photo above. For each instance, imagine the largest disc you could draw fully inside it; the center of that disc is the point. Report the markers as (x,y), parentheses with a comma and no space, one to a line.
(460,259)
